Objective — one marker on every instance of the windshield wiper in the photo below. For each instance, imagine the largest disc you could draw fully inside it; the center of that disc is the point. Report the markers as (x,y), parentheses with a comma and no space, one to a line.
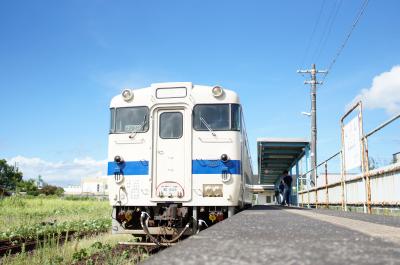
(134,132)
(207,126)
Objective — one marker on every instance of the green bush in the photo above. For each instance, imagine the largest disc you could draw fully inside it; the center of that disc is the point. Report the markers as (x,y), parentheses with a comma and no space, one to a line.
(79,198)
(28,186)
(79,255)
(52,190)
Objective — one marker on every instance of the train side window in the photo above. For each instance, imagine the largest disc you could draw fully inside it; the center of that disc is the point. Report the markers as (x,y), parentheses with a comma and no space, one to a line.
(132,119)
(235,117)
(171,125)
(112,120)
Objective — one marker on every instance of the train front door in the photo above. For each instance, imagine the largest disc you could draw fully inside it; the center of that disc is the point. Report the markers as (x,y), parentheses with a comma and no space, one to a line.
(172,160)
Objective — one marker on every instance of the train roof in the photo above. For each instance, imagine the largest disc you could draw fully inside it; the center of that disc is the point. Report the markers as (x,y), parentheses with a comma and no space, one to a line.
(174,92)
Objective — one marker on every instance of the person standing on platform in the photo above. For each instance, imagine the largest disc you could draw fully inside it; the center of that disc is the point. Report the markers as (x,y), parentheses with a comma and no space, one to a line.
(287,179)
(281,194)
(277,196)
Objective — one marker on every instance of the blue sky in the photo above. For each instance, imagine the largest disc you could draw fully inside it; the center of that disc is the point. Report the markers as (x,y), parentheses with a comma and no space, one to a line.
(61,62)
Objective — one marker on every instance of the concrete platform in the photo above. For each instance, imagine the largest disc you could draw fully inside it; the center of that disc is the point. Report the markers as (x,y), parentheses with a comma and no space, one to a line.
(373,218)
(278,235)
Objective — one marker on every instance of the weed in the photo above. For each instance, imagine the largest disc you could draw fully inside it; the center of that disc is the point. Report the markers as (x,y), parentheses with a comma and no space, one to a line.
(15,201)
(125,254)
(56,260)
(79,255)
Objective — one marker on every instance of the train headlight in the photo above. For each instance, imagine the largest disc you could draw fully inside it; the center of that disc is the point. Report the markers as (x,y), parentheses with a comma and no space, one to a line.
(127,94)
(217,91)
(207,191)
(212,190)
(217,190)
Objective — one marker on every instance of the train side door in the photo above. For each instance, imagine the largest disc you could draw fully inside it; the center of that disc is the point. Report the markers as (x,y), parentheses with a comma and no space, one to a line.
(172,155)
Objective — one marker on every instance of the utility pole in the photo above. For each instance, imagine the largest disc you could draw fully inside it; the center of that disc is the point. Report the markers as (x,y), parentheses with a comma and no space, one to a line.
(313,91)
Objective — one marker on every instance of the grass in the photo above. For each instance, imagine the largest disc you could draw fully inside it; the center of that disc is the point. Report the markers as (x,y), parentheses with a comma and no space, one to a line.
(17,211)
(79,252)
(30,216)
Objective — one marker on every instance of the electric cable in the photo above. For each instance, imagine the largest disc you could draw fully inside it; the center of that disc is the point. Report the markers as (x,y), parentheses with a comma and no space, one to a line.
(321,48)
(341,47)
(312,34)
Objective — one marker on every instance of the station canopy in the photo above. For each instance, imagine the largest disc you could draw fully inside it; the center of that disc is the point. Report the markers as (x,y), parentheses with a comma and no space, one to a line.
(278,154)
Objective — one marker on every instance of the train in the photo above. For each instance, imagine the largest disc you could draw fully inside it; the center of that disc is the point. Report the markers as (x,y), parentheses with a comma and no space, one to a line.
(178,159)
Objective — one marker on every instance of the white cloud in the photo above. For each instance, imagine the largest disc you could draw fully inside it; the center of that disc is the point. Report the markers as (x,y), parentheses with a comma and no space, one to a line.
(61,173)
(384,92)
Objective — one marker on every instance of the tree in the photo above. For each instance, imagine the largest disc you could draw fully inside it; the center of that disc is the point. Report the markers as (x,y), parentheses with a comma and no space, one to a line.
(52,190)
(9,175)
(28,186)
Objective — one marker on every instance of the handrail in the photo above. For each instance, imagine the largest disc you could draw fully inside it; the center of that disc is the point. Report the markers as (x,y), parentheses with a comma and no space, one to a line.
(365,136)
(364,176)
(320,164)
(382,125)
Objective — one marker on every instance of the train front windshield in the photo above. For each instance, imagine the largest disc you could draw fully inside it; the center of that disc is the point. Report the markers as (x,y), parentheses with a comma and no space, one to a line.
(127,120)
(217,117)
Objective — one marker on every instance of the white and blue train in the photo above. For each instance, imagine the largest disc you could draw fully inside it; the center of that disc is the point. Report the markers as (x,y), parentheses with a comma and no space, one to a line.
(178,157)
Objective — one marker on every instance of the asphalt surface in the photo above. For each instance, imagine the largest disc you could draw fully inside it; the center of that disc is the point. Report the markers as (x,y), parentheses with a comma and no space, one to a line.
(372,218)
(272,235)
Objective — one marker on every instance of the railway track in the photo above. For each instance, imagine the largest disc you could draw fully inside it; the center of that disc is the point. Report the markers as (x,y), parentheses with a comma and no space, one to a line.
(10,247)
(134,252)
(17,245)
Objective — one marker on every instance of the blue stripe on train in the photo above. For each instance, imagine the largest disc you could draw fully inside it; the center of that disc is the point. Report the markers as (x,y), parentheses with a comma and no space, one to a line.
(129,168)
(199,166)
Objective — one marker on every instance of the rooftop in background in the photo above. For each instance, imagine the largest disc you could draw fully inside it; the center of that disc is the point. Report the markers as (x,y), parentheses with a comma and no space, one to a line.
(278,154)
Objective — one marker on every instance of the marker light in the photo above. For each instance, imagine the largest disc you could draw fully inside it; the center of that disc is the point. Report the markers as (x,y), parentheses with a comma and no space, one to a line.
(118,159)
(224,158)
(217,91)
(127,94)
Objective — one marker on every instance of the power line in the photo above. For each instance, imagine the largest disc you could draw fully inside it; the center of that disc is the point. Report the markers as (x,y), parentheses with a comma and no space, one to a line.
(341,48)
(336,11)
(313,33)
(324,29)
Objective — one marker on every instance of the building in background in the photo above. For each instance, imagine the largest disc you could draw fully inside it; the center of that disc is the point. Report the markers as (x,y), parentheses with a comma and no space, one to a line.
(95,186)
(73,190)
(91,186)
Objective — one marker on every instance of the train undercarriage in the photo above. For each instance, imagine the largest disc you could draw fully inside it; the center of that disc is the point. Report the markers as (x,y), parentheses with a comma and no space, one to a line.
(166,223)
